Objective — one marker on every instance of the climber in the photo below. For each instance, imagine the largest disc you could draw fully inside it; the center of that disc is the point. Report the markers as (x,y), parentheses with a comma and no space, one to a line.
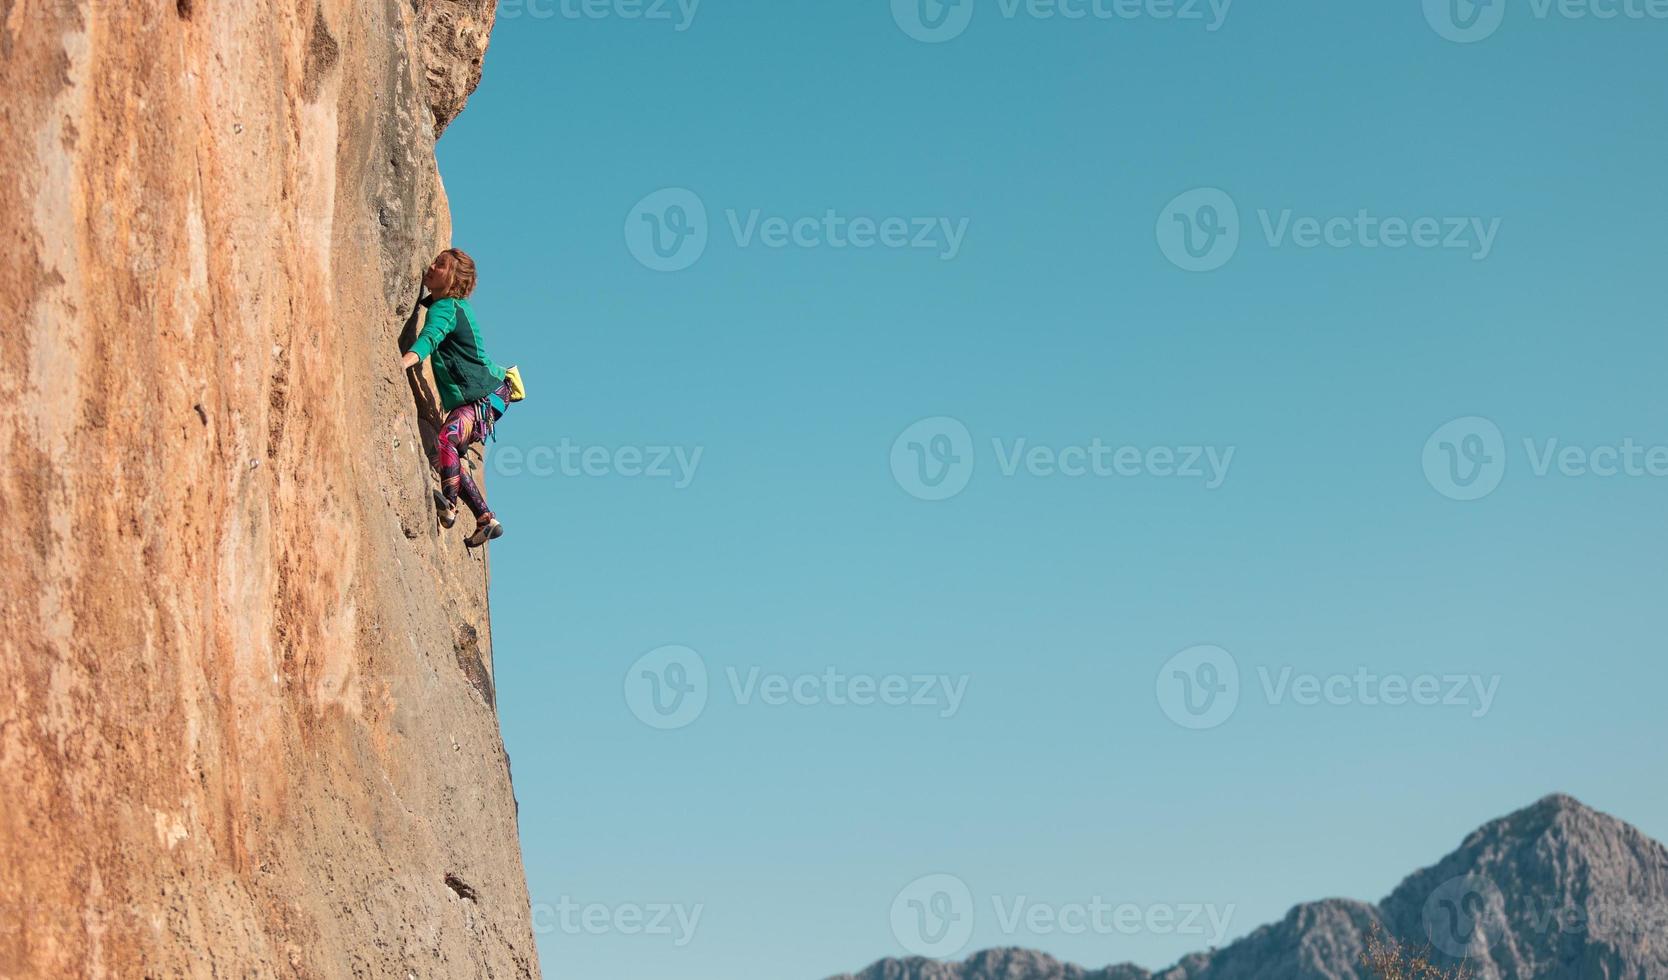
(474,391)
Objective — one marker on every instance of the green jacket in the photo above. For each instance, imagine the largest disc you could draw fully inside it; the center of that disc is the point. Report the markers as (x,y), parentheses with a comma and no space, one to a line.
(462,370)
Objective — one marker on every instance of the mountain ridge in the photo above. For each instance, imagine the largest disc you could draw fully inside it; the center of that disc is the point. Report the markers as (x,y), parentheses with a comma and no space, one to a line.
(1553,891)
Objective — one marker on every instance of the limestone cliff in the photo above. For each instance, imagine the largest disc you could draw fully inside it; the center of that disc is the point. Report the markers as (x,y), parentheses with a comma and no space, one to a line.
(248,724)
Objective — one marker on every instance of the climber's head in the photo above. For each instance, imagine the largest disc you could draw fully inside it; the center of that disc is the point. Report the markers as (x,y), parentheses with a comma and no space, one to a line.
(451,276)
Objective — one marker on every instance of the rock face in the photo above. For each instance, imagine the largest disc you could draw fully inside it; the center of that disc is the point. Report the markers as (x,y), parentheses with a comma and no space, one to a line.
(1556,891)
(455,35)
(248,726)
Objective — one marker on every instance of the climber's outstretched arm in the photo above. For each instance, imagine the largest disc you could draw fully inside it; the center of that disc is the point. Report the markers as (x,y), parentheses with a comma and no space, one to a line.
(441,319)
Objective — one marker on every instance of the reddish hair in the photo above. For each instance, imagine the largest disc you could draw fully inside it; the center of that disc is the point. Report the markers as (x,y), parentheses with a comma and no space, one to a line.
(462,268)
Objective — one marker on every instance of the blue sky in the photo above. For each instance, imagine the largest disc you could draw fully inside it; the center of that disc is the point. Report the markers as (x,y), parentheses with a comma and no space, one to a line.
(1020,338)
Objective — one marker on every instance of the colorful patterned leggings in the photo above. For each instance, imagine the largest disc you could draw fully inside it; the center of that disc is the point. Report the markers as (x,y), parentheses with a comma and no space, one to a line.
(465,425)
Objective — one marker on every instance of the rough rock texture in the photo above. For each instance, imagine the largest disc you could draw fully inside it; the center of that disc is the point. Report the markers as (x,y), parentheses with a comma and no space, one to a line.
(454,35)
(1556,891)
(247,728)
(994,964)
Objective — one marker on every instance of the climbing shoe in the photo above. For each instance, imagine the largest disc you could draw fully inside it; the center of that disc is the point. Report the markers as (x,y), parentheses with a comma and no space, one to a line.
(485,531)
(447,513)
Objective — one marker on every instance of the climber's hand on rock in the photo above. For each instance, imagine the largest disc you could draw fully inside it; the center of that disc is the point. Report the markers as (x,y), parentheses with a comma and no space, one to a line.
(409,361)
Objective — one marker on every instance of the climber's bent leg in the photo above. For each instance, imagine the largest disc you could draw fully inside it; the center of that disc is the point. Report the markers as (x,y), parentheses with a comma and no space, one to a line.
(486,421)
(471,493)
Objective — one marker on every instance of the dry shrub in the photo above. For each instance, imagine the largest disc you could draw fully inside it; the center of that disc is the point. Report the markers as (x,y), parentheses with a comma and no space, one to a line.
(1388,959)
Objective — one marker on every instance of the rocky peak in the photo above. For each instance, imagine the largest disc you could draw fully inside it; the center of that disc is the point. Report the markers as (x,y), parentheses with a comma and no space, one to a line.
(1555,891)
(1554,887)
(1006,963)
